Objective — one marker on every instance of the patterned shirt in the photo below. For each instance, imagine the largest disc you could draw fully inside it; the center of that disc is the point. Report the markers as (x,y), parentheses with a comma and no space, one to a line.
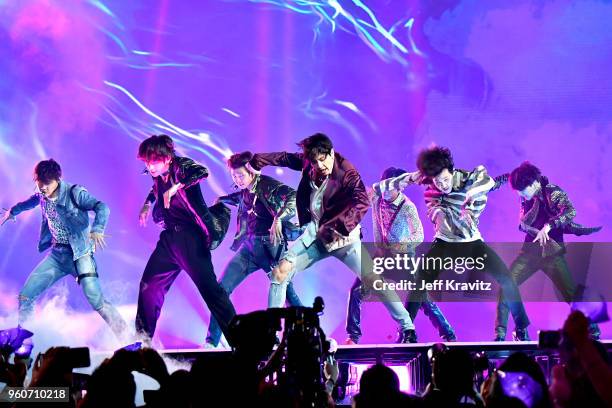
(397,222)
(455,215)
(59,232)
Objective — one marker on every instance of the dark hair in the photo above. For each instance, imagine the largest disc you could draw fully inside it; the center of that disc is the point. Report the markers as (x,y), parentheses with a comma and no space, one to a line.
(315,145)
(156,147)
(47,170)
(391,172)
(453,372)
(433,160)
(378,379)
(524,175)
(238,160)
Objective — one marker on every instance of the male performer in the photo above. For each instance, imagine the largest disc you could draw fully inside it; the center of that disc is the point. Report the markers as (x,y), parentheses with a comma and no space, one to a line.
(397,226)
(265,205)
(65,229)
(331,201)
(455,200)
(546,214)
(185,242)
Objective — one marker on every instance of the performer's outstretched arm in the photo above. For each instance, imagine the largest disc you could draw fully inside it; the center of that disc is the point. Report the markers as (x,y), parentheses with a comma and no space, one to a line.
(232,199)
(500,181)
(190,172)
(398,183)
(18,208)
(481,184)
(26,205)
(294,161)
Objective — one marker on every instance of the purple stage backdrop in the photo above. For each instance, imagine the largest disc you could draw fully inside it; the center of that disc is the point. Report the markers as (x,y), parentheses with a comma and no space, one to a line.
(498,82)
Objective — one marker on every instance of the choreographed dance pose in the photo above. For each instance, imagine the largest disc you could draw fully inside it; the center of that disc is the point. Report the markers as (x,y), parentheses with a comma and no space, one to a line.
(397,226)
(65,229)
(331,202)
(185,242)
(546,215)
(455,200)
(265,208)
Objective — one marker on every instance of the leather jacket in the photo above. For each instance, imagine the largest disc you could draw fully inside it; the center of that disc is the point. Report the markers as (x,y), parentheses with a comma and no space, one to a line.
(279,199)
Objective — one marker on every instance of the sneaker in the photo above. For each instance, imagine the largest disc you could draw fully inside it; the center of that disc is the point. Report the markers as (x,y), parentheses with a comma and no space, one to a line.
(521,335)
(500,337)
(407,336)
(351,341)
(450,337)
(209,346)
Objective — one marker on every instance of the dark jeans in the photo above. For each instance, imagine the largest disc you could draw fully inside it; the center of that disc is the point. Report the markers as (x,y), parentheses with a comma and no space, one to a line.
(493,265)
(353,315)
(176,250)
(254,254)
(523,267)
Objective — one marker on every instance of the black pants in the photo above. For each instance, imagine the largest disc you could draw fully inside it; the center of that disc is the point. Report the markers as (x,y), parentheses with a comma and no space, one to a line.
(177,250)
(555,267)
(493,265)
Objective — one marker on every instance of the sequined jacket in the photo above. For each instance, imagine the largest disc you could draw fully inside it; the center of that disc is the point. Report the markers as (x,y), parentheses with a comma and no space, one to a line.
(396,224)
(279,198)
(559,208)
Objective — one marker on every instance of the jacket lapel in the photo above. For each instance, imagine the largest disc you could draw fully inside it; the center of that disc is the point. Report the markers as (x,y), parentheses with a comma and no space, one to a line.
(333,184)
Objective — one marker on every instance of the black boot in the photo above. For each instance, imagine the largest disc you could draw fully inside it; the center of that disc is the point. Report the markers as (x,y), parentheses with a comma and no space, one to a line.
(449,337)
(521,335)
(407,336)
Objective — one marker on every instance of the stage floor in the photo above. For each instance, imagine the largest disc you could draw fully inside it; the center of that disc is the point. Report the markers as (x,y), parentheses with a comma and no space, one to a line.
(365,352)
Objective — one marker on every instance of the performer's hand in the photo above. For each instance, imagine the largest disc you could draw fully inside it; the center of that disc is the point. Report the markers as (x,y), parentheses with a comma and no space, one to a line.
(98,240)
(276,231)
(170,193)
(6,215)
(144,214)
(542,236)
